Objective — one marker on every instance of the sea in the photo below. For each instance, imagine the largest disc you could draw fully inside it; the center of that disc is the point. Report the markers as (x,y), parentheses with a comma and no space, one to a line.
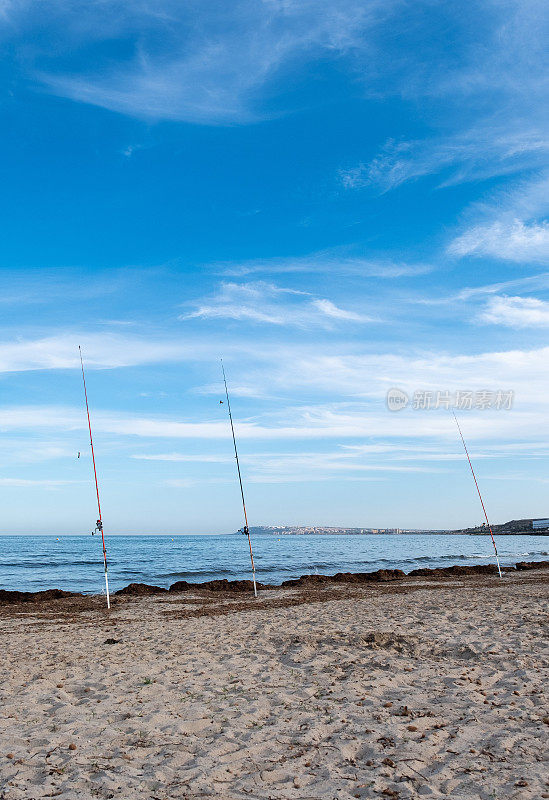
(75,563)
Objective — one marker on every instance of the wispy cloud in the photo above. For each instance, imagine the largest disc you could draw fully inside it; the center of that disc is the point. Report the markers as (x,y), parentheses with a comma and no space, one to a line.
(202,62)
(356,462)
(25,483)
(34,452)
(337,261)
(471,155)
(183,457)
(262,302)
(180,483)
(332,311)
(485,101)
(531,283)
(517,312)
(101,351)
(369,375)
(40,287)
(212,63)
(363,380)
(509,224)
(512,240)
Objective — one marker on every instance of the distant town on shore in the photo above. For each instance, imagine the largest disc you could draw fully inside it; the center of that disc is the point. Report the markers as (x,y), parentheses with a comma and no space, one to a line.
(514,527)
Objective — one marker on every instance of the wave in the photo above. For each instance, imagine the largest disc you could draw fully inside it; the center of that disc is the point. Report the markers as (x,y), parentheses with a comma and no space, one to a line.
(30,564)
(75,567)
(184,574)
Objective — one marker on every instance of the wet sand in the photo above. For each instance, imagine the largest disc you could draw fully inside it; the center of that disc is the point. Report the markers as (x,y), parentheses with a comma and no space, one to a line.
(425,686)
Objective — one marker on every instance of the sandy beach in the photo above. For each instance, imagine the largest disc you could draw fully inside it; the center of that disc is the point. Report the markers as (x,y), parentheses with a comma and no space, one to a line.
(425,688)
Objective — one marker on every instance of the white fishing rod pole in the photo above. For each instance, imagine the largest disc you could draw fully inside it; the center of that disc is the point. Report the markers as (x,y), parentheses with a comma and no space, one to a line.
(99,524)
(245,530)
(479,494)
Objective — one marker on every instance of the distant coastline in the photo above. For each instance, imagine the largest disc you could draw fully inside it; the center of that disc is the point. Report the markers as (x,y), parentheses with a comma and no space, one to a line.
(516,527)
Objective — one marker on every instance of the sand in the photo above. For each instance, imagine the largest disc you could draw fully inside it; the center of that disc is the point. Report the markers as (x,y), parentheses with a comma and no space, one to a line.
(422,689)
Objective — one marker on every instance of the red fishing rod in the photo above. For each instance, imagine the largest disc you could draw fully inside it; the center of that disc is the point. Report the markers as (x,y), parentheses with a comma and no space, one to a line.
(99,523)
(479,494)
(245,530)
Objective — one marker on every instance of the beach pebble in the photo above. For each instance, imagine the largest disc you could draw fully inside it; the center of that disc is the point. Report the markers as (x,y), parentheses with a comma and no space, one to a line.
(59,685)
(412,728)
(546,720)
(10,755)
(72,746)
(387,705)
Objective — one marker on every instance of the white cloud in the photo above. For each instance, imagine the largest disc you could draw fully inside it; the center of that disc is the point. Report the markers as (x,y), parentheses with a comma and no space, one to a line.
(348,421)
(334,312)
(342,458)
(199,61)
(262,302)
(335,261)
(530,283)
(486,98)
(34,452)
(512,240)
(517,312)
(180,483)
(509,224)
(183,457)
(369,375)
(6,7)
(50,286)
(101,351)
(359,380)
(366,462)
(471,155)
(24,483)
(217,63)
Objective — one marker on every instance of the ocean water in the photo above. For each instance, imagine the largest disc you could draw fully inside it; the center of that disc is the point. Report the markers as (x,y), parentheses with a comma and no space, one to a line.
(75,563)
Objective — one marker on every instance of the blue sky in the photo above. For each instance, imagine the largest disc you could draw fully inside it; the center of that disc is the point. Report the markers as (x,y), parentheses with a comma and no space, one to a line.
(339,199)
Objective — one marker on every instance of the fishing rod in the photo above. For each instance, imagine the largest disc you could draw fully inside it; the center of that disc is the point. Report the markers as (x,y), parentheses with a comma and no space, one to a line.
(479,494)
(99,523)
(245,530)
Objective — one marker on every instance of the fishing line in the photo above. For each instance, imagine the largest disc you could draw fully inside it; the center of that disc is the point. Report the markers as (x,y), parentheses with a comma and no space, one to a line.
(99,523)
(245,530)
(479,494)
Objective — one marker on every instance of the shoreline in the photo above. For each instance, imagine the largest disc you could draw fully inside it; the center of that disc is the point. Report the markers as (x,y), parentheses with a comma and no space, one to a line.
(225,586)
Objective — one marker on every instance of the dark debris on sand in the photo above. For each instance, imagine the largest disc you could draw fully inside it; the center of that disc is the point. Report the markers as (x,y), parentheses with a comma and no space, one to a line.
(69,602)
